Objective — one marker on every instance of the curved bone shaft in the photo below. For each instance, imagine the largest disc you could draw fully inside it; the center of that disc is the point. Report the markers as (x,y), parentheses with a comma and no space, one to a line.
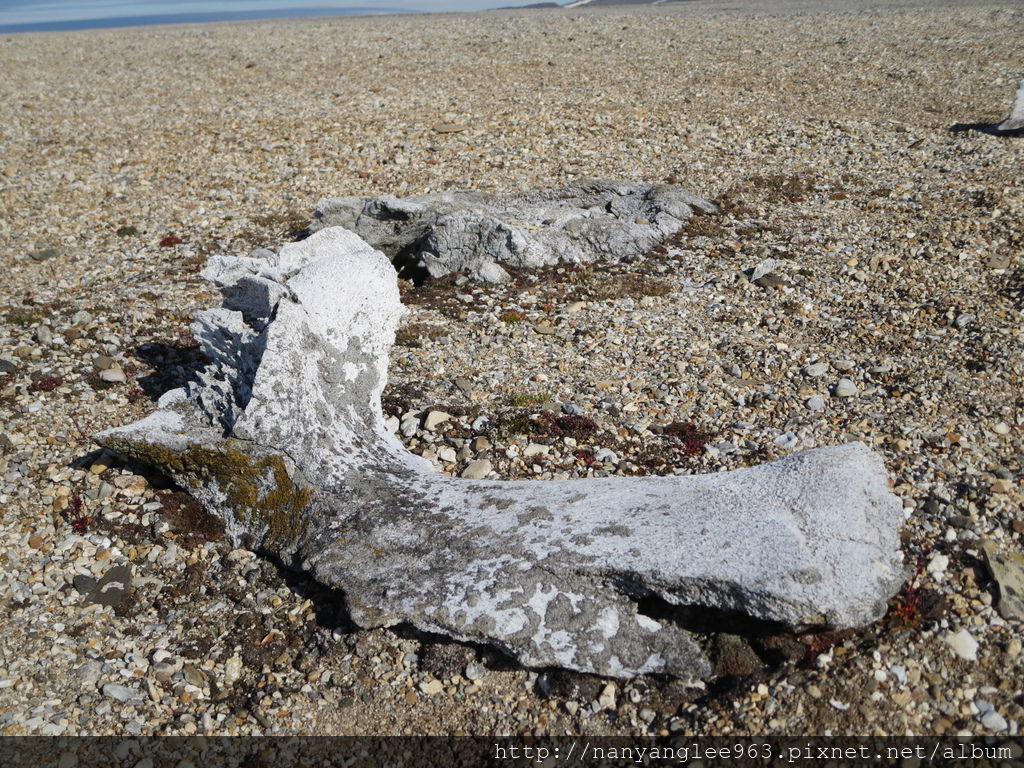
(284,437)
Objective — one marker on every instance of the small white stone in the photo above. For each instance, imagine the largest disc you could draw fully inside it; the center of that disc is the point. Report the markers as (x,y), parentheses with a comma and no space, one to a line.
(536,449)
(232,670)
(937,565)
(607,698)
(787,441)
(765,267)
(431,687)
(963,644)
(845,388)
(814,370)
(994,721)
(435,419)
(477,470)
(815,403)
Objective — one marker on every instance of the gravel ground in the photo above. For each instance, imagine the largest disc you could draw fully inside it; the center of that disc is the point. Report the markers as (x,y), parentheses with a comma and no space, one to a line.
(889,312)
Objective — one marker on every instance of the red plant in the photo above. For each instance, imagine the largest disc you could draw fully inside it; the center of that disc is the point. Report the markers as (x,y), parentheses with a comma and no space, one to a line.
(80,522)
(693,440)
(170,240)
(908,607)
(573,426)
(46,384)
(586,457)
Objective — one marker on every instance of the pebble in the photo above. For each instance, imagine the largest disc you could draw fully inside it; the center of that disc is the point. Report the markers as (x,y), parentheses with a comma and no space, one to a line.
(435,419)
(431,687)
(607,698)
(89,674)
(477,470)
(963,320)
(994,721)
(44,335)
(113,375)
(113,587)
(962,644)
(120,693)
(937,565)
(815,403)
(815,370)
(845,388)
(787,441)
(763,268)
(44,254)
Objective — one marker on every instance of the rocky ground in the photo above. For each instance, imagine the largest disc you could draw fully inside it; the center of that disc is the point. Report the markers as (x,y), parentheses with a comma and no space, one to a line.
(849,156)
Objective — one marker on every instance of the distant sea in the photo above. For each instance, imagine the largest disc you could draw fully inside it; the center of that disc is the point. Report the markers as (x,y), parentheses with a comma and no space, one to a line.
(188,17)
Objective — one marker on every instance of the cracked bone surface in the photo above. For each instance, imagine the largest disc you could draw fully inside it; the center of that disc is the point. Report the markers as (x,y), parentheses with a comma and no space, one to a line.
(1015,121)
(476,232)
(283,436)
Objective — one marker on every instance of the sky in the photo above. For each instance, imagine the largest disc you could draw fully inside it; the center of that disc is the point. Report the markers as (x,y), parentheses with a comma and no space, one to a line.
(26,15)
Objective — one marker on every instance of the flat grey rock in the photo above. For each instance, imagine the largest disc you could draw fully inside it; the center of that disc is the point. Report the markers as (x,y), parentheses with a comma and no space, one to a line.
(476,233)
(283,436)
(1015,121)
(110,590)
(122,693)
(44,254)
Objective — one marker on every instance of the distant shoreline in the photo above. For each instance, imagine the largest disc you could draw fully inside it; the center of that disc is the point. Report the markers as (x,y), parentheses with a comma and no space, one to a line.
(150,20)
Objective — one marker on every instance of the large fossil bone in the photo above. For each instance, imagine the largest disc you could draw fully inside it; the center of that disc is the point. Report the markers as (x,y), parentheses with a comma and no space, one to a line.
(283,436)
(477,232)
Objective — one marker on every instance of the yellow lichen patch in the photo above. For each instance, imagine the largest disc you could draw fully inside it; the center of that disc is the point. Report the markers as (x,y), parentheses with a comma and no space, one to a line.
(258,489)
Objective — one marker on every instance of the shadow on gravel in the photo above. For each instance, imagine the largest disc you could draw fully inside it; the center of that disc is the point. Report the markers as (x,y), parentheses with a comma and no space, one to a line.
(992,129)
(438,654)
(174,365)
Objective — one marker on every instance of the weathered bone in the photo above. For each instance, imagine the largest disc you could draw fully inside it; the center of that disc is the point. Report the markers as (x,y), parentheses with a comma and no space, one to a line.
(284,437)
(476,232)
(1015,121)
